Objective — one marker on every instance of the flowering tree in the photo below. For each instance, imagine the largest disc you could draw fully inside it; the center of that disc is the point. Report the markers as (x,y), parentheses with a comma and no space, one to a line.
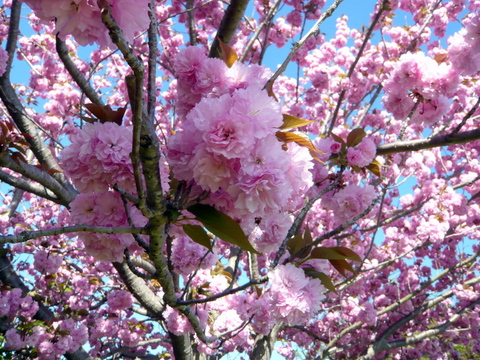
(167,196)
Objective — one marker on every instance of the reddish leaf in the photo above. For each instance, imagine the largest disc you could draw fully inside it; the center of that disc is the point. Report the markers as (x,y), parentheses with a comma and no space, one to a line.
(338,139)
(98,112)
(16,156)
(105,114)
(440,58)
(341,266)
(355,137)
(325,279)
(300,139)
(335,253)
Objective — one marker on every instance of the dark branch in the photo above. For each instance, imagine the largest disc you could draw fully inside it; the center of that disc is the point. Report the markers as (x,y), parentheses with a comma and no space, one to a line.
(229,25)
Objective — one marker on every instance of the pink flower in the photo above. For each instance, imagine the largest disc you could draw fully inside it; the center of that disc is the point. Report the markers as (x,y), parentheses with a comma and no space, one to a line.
(82,18)
(119,300)
(14,340)
(99,157)
(105,209)
(186,256)
(47,263)
(363,154)
(3,60)
(349,202)
(295,298)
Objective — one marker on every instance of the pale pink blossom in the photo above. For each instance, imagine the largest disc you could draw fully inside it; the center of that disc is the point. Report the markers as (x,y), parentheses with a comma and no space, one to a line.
(82,18)
(362,154)
(295,298)
(349,202)
(119,300)
(3,60)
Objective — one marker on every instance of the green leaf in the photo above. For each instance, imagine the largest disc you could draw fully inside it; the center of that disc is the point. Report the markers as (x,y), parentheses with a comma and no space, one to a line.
(324,278)
(221,225)
(335,253)
(290,122)
(198,234)
(341,266)
(355,137)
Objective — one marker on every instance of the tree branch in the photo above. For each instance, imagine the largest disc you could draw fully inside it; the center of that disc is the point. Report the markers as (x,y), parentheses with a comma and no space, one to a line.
(314,30)
(21,183)
(268,18)
(24,123)
(381,343)
(76,74)
(29,235)
(229,25)
(436,141)
(64,196)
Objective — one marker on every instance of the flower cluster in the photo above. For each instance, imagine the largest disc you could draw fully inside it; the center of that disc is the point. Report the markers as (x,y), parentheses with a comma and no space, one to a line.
(99,157)
(429,84)
(349,202)
(464,46)
(188,256)
(50,342)
(295,297)
(228,144)
(82,18)
(105,209)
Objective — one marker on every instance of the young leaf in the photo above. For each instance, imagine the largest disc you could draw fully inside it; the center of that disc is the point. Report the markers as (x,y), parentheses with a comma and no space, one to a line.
(341,266)
(338,139)
(269,88)
(221,225)
(324,278)
(335,253)
(290,122)
(298,138)
(355,137)
(297,243)
(106,114)
(375,168)
(229,56)
(198,234)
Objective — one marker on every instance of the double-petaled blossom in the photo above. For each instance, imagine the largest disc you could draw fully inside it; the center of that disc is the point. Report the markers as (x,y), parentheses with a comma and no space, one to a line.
(295,298)
(82,18)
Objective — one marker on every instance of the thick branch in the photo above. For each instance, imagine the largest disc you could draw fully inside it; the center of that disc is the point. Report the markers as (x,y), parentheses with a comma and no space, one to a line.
(436,141)
(263,347)
(229,25)
(20,183)
(152,62)
(140,290)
